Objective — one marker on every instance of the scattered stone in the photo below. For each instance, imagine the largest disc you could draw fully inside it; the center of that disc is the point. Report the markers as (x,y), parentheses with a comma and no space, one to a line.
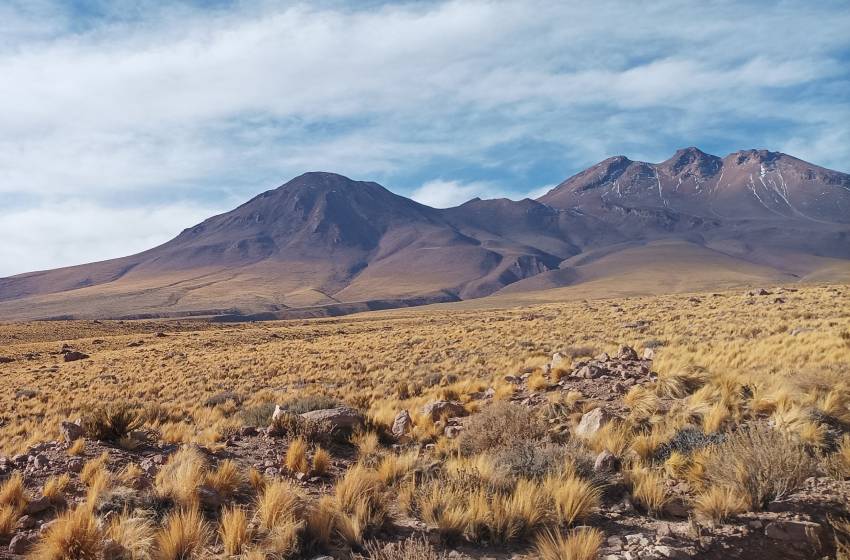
(627,353)
(70,431)
(248,431)
(437,409)
(6,360)
(341,417)
(605,462)
(76,465)
(591,422)
(603,357)
(26,394)
(589,371)
(648,354)
(21,543)
(112,550)
(794,531)
(676,507)
(453,431)
(558,361)
(222,398)
(25,523)
(402,424)
(73,356)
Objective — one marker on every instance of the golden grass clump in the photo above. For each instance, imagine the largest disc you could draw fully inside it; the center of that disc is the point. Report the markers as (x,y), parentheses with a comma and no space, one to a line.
(134,536)
(13,493)
(321,462)
(234,531)
(573,497)
(279,503)
(181,476)
(75,535)
(579,544)
(718,503)
(183,536)
(77,448)
(296,456)
(648,490)
(227,479)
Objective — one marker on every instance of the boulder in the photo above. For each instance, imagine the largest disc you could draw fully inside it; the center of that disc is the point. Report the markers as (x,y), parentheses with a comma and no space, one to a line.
(627,353)
(70,431)
(73,356)
(20,543)
(6,360)
(589,371)
(591,422)
(648,354)
(437,409)
(605,462)
(402,424)
(794,531)
(341,417)
(558,361)
(278,412)
(603,357)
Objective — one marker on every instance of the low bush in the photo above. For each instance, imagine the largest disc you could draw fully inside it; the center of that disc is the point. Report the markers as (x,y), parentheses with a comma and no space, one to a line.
(111,422)
(760,463)
(409,549)
(502,425)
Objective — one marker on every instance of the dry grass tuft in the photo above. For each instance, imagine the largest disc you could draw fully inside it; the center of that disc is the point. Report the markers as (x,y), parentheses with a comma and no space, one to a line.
(133,535)
(296,456)
(181,476)
(74,535)
(233,530)
(579,544)
(183,536)
(321,462)
(718,503)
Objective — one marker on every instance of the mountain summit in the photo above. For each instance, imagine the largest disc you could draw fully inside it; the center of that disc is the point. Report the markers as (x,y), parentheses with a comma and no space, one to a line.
(325,244)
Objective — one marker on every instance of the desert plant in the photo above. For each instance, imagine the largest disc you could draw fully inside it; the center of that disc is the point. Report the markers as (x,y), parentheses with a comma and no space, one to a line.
(579,544)
(296,456)
(647,489)
(227,479)
(233,530)
(183,536)
(501,425)
(257,415)
(180,477)
(133,535)
(12,491)
(411,548)
(111,422)
(321,462)
(718,503)
(74,535)
(572,497)
(279,503)
(760,463)
(77,447)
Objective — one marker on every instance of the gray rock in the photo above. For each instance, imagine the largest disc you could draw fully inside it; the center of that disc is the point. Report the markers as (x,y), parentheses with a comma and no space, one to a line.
(402,424)
(591,422)
(648,354)
(558,361)
(342,417)
(605,462)
(70,431)
(627,353)
(794,531)
(73,356)
(438,409)
(21,543)
(37,506)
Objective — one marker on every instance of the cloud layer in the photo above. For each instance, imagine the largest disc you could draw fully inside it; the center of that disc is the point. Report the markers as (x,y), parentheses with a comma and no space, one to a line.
(128,109)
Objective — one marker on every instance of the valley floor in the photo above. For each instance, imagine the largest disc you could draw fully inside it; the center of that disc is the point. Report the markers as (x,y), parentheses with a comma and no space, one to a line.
(709,425)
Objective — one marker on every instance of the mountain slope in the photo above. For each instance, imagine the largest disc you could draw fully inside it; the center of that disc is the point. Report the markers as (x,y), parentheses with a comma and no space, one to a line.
(323,243)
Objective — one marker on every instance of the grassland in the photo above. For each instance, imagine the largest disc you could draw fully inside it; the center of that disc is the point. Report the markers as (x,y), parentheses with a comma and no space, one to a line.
(763,379)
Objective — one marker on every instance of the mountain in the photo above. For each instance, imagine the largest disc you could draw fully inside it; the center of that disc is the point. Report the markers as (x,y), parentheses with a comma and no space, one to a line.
(324,244)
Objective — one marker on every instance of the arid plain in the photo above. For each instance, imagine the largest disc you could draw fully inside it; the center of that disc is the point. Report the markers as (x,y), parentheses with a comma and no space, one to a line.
(712,426)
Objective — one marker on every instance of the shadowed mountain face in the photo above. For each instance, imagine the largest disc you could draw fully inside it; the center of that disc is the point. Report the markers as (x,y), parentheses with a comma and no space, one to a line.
(324,244)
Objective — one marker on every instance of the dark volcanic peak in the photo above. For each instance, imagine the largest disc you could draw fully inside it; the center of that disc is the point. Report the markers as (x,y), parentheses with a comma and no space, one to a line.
(693,161)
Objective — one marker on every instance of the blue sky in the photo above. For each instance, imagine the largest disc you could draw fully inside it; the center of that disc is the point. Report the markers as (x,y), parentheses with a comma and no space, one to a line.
(121,123)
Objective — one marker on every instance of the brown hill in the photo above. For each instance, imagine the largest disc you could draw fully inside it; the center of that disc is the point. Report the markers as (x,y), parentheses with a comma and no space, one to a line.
(323,243)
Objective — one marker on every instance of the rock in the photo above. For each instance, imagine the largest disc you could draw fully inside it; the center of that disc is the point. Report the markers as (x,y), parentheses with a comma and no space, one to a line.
(25,393)
(589,372)
(648,354)
(591,422)
(794,531)
(73,356)
(673,553)
(210,497)
(401,424)
(558,361)
(676,507)
(248,431)
(21,543)
(341,417)
(6,360)
(46,526)
(278,412)
(37,506)
(70,431)
(763,292)
(25,523)
(603,357)
(516,380)
(76,465)
(323,558)
(437,409)
(452,432)
(605,462)
(222,398)
(489,393)
(627,353)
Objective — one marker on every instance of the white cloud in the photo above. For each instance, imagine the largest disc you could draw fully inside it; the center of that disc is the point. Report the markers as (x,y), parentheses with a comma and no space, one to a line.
(184,100)
(446,194)
(75,232)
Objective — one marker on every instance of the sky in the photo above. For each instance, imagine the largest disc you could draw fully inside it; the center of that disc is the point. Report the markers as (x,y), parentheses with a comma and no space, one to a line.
(122,123)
